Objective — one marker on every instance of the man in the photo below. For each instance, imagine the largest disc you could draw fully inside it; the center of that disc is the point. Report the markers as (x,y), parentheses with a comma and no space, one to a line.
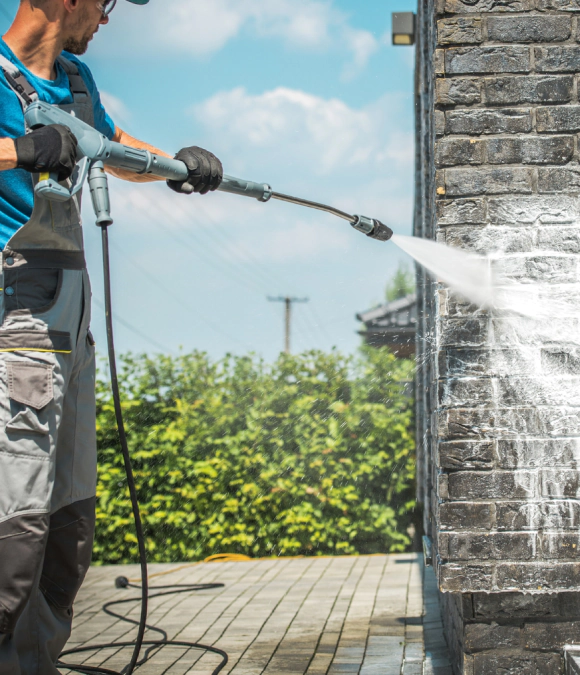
(47,401)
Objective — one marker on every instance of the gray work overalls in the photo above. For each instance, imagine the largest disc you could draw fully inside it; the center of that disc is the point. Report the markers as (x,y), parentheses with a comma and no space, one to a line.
(47,422)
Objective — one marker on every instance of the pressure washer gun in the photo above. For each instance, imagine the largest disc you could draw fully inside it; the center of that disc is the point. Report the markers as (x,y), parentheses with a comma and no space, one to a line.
(95,151)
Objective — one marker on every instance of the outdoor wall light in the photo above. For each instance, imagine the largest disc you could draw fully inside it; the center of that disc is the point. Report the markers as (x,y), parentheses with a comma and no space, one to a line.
(403,28)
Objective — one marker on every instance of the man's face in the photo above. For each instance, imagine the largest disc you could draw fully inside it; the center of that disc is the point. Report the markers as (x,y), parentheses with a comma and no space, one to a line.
(84,24)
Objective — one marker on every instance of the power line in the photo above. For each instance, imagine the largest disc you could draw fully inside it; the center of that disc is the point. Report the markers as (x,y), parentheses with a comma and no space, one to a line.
(237,274)
(227,271)
(180,302)
(133,329)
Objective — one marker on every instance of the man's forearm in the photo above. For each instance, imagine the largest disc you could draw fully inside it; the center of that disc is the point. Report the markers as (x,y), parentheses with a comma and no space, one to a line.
(8,159)
(124,138)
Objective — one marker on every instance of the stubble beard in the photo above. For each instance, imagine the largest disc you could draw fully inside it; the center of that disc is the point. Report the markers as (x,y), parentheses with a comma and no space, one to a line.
(76,46)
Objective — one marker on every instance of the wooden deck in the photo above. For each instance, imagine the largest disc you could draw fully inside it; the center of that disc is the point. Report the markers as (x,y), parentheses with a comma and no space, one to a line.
(373,615)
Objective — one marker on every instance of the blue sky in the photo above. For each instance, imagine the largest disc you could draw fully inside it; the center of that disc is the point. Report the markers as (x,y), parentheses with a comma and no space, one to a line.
(307,95)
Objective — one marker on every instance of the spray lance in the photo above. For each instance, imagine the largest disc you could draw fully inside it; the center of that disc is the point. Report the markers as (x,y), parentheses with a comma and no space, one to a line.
(96,150)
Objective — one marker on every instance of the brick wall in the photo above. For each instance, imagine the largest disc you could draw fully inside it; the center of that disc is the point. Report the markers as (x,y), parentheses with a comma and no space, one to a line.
(498,394)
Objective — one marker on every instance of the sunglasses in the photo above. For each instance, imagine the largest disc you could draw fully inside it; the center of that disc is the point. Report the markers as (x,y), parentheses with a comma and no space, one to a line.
(106,6)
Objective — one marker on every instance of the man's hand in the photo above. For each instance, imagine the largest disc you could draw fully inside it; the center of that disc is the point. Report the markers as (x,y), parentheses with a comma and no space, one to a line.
(205,171)
(51,149)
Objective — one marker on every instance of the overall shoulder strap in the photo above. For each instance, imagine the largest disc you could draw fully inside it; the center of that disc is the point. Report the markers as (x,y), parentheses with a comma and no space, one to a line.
(18,83)
(78,86)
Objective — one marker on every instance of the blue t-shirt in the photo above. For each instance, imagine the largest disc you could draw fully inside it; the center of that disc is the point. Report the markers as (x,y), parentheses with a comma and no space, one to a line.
(16,190)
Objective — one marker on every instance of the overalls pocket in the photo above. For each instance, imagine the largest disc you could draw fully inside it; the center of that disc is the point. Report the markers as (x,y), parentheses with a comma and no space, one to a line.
(30,390)
(31,290)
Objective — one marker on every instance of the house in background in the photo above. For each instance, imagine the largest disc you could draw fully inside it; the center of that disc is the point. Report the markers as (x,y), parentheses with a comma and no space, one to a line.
(392,325)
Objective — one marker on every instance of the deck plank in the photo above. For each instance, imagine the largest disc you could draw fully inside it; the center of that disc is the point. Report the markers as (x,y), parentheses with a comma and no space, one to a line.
(364,615)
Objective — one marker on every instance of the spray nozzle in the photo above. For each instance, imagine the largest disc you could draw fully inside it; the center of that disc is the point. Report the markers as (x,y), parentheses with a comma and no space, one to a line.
(381,232)
(372,228)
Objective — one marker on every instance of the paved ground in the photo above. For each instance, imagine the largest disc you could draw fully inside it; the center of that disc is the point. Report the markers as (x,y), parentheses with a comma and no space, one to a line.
(372,615)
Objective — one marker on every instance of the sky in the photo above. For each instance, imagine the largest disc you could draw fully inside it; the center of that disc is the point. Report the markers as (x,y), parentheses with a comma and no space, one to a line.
(306,95)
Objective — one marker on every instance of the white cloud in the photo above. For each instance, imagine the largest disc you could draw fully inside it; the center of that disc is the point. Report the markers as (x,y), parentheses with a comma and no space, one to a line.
(300,129)
(202,27)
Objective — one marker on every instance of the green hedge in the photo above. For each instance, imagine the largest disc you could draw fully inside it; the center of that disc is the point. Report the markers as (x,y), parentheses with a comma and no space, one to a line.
(311,455)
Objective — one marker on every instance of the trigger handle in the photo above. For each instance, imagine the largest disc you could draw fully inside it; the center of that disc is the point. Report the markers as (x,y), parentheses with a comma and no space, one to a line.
(49,188)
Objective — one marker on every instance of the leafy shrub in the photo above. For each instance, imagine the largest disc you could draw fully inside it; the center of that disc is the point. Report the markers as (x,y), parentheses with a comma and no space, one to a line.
(311,455)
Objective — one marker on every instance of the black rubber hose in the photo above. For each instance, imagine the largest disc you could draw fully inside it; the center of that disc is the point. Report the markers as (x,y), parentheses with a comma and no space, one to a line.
(121,582)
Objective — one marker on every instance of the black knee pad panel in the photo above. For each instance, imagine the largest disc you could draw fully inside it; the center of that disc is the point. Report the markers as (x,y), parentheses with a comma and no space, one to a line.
(68,552)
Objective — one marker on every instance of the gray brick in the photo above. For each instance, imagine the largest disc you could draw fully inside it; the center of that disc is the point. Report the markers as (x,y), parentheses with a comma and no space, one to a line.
(560,483)
(561,360)
(559,179)
(480,636)
(513,516)
(560,545)
(529,28)
(476,122)
(506,331)
(508,423)
(466,455)
(544,210)
(477,6)
(538,391)
(469,362)
(541,576)
(557,59)
(463,392)
(502,606)
(489,547)
(457,91)
(561,239)
(548,663)
(490,239)
(458,307)
(439,116)
(559,515)
(542,268)
(558,118)
(465,516)
(439,62)
(538,454)
(463,332)
(517,516)
(510,663)
(457,578)
(532,150)
(465,182)
(460,211)
(471,60)
(551,635)
(560,5)
(452,152)
(532,89)
(459,30)
(473,485)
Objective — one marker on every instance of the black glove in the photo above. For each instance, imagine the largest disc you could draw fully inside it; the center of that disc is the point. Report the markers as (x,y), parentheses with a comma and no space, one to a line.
(51,149)
(205,171)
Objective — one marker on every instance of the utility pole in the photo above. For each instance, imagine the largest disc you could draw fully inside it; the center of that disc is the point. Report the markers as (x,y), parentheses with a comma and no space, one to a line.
(288,316)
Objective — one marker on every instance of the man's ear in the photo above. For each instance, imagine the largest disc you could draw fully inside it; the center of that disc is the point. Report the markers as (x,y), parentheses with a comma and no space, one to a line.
(71,5)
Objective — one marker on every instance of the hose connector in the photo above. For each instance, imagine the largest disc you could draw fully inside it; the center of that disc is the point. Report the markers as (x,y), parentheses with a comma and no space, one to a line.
(372,228)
